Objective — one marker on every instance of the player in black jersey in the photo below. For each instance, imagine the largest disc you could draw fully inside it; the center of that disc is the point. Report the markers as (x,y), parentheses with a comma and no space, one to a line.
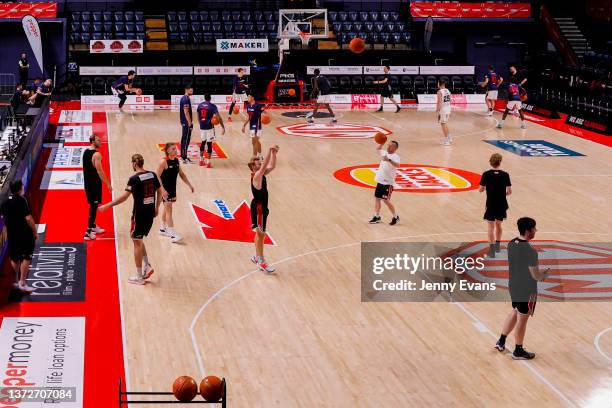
(259,204)
(168,171)
(145,188)
(386,90)
(93,176)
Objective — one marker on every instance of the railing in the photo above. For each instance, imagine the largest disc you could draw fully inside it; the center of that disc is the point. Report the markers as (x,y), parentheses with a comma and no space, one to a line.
(7,84)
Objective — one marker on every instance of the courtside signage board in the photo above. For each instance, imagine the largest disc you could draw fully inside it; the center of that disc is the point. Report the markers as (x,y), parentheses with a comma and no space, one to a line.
(242,45)
(413,178)
(113,100)
(163,70)
(456,99)
(394,70)
(66,157)
(105,70)
(45,352)
(73,134)
(116,46)
(447,70)
(220,70)
(534,148)
(336,70)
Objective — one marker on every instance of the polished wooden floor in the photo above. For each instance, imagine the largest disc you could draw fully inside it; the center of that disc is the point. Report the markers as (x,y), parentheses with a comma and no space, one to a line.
(302,337)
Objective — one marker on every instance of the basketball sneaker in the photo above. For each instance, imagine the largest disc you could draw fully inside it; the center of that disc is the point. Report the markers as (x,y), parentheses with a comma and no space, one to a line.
(398,109)
(148,271)
(334,121)
(447,142)
(394,220)
(310,120)
(254,259)
(202,163)
(380,109)
(264,267)
(98,230)
(164,231)
(375,220)
(89,236)
(523,126)
(136,280)
(500,125)
(176,238)
(229,119)
(522,354)
(490,113)
(497,246)
(209,165)
(499,346)
(25,288)
(491,252)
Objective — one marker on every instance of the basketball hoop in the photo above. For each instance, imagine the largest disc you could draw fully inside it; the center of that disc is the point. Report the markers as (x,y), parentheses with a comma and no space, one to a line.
(305,37)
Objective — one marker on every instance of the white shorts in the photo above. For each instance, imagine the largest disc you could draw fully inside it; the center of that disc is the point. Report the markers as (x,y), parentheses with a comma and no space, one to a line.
(443,117)
(256,133)
(492,95)
(324,99)
(512,105)
(207,135)
(241,97)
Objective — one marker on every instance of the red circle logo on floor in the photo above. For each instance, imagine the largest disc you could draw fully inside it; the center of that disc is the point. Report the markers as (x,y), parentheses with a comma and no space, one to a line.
(333,131)
(413,178)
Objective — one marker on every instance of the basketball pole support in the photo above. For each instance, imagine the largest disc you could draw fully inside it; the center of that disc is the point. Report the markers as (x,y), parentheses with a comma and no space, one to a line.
(126,394)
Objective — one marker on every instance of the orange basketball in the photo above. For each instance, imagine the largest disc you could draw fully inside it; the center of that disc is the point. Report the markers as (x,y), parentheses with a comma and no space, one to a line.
(265,118)
(357,45)
(291,92)
(211,388)
(236,110)
(214,120)
(380,138)
(138,91)
(185,388)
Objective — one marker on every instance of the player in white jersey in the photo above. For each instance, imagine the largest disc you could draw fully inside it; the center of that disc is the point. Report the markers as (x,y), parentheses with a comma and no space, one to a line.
(443,110)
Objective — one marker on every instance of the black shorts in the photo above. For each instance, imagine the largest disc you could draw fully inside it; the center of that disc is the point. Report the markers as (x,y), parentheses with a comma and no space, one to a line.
(141,225)
(383,191)
(93,191)
(259,216)
(526,308)
(21,248)
(385,93)
(495,214)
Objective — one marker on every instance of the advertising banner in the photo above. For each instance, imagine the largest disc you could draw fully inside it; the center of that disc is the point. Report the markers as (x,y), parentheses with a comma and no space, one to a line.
(242,45)
(116,46)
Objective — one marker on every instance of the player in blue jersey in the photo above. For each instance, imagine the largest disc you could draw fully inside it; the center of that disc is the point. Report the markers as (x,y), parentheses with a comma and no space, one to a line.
(239,91)
(492,81)
(122,86)
(254,111)
(206,111)
(514,91)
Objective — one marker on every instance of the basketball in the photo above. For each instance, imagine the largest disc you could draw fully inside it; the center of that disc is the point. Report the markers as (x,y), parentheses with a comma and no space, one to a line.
(214,120)
(138,91)
(380,138)
(357,45)
(211,388)
(184,388)
(236,110)
(265,118)
(291,92)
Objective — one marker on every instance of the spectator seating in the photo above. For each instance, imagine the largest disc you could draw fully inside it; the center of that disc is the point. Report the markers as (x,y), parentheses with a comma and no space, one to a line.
(99,25)
(374,27)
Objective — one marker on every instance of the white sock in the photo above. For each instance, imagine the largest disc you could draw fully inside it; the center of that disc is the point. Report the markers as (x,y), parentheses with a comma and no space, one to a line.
(163,226)
(139,272)
(145,259)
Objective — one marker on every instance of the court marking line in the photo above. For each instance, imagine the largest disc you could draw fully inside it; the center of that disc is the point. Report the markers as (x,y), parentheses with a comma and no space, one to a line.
(598,347)
(126,367)
(317,251)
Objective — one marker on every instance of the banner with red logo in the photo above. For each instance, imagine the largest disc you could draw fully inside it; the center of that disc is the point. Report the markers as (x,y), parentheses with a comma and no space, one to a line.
(470,10)
(115,46)
(32,31)
(20,10)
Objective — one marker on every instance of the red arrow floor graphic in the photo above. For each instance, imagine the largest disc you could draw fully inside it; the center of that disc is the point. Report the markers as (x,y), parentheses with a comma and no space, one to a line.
(223,228)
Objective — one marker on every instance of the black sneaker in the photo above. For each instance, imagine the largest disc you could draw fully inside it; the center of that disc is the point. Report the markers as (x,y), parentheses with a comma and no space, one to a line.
(398,109)
(500,346)
(491,252)
(375,219)
(394,220)
(379,109)
(498,247)
(522,354)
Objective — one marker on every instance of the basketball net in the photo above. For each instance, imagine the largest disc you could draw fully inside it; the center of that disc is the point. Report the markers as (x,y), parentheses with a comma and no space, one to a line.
(305,37)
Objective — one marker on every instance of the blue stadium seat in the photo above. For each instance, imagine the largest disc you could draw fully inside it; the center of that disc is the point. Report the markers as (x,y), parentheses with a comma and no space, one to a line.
(181,16)
(228,27)
(369,26)
(390,27)
(75,38)
(231,35)
(268,16)
(76,16)
(85,37)
(400,27)
(241,35)
(261,27)
(204,15)
(140,27)
(139,16)
(85,16)
(172,16)
(258,15)
(395,16)
(194,16)
(273,36)
(107,27)
(198,38)
(379,27)
(183,26)
(271,27)
(353,15)
(107,16)
(357,83)
(97,27)
(208,38)
(337,27)
(248,27)
(141,35)
(120,35)
(384,38)
(196,26)
(96,16)
(373,38)
(246,15)
(108,35)
(118,16)
(342,16)
(396,38)
(85,27)
(374,15)
(174,37)
(214,15)
(184,38)
(236,15)
(216,27)
(347,26)
(332,15)
(406,38)
(75,26)
(218,36)
(362,35)
(206,27)
(364,16)
(119,27)
(130,27)
(225,15)
(384,15)
(128,16)
(130,35)
(238,27)
(358,26)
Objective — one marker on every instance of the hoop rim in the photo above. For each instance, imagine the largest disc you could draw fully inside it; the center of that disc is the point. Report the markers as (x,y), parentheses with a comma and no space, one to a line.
(305,37)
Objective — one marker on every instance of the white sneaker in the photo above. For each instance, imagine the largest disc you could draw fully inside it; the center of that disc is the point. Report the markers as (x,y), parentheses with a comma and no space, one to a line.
(89,236)
(490,113)
(25,288)
(148,271)
(254,259)
(98,230)
(136,280)
(264,267)
(176,238)
(164,232)
(523,126)
(446,142)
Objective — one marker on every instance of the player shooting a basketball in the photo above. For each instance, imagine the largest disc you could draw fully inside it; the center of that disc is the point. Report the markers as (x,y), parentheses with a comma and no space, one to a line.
(320,92)
(259,204)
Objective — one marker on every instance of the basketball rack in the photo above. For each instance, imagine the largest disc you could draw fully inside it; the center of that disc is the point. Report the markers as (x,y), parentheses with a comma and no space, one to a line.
(127,394)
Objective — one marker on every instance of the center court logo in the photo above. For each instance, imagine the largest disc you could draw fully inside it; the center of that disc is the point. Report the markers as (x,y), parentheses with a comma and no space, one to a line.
(414,178)
(337,131)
